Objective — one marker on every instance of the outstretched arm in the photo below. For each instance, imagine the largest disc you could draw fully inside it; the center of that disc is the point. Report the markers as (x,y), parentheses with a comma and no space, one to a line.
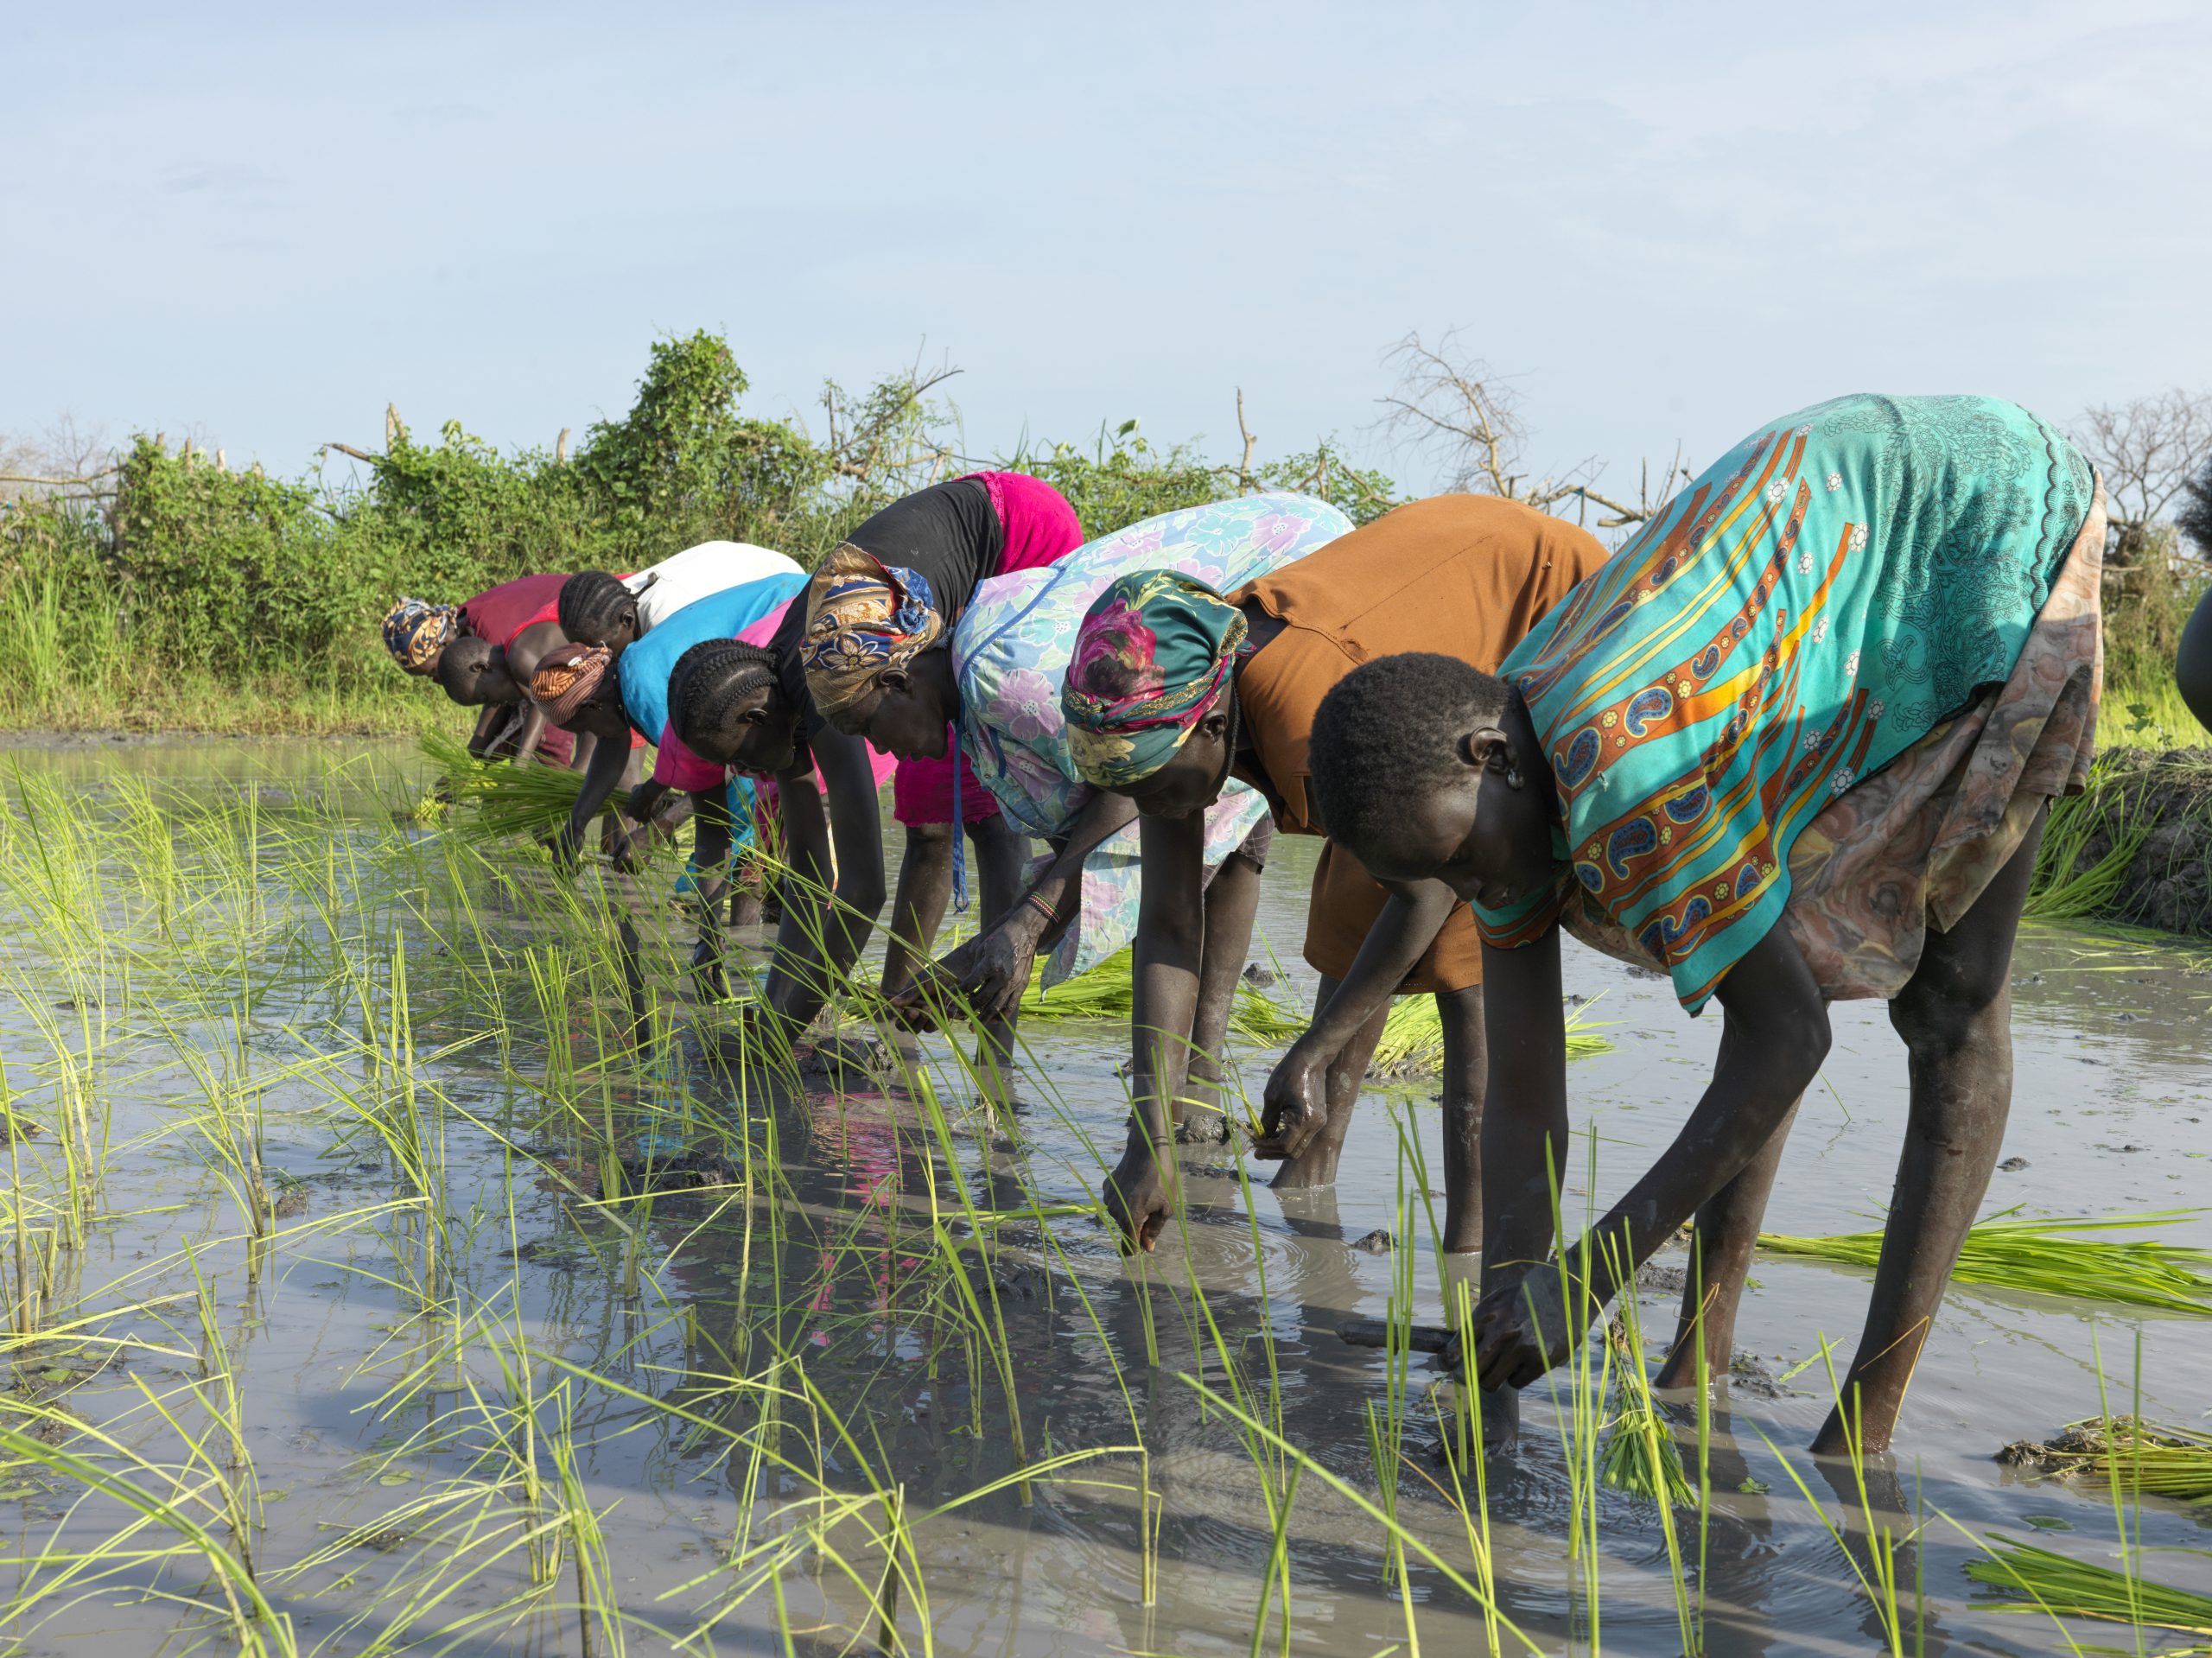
(608,760)
(1296,1103)
(817,945)
(489,722)
(1776,1041)
(992,969)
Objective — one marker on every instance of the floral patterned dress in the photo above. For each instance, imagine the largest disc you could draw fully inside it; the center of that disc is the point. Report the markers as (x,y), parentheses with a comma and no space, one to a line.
(1010,652)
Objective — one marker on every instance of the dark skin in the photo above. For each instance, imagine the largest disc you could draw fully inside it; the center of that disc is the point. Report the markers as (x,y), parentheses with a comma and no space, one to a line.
(1487,834)
(495,679)
(760,738)
(908,713)
(1307,1106)
(2193,662)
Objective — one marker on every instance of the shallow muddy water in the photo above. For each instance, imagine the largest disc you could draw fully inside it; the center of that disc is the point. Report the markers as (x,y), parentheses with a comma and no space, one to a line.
(468,1396)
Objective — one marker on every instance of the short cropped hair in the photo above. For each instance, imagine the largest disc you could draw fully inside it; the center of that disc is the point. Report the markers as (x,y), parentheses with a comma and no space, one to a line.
(460,666)
(1388,732)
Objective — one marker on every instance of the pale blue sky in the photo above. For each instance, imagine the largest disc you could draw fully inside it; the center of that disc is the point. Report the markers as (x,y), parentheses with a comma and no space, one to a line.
(1670,223)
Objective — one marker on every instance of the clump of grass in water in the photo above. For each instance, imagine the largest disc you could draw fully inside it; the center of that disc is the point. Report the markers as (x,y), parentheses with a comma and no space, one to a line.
(1413,1036)
(1412,1039)
(2060,1586)
(2154,1461)
(2052,1258)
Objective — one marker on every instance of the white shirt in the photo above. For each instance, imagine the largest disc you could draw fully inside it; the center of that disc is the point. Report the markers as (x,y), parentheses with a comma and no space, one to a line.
(698,572)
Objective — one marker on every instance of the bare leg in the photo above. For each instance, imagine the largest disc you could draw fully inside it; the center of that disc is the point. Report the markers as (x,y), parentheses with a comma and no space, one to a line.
(1466,1068)
(1232,899)
(1955,1016)
(1317,1164)
(1002,852)
(1720,1255)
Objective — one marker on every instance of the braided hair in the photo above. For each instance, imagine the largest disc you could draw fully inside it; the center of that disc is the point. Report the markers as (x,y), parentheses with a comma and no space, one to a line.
(1388,734)
(710,679)
(591,604)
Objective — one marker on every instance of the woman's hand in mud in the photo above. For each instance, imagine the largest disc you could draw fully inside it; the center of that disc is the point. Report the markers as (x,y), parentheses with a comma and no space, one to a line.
(1518,1330)
(1138,1198)
(706,970)
(1295,1105)
(991,970)
(623,852)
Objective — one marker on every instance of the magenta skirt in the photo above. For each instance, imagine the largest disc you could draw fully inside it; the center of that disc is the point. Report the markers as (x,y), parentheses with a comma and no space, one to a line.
(921,792)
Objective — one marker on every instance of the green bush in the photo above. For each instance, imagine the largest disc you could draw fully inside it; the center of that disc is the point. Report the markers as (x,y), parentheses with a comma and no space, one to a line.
(198,596)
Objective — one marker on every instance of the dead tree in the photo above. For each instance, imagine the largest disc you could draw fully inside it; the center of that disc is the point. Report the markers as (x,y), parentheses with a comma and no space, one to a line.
(2146,450)
(1454,408)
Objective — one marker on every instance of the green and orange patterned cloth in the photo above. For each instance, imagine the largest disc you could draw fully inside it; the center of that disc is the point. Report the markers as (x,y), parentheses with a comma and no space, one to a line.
(1825,597)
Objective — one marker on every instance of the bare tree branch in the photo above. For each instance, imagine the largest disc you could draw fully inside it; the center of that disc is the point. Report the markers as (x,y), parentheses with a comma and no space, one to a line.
(2146,450)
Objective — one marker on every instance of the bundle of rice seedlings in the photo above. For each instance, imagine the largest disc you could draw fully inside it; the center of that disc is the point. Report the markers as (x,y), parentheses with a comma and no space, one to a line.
(1639,1455)
(1412,1039)
(502,801)
(2052,1258)
(2140,1456)
(2055,1585)
(1109,992)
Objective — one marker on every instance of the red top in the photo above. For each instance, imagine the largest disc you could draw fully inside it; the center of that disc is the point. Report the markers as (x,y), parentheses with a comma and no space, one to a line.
(498,615)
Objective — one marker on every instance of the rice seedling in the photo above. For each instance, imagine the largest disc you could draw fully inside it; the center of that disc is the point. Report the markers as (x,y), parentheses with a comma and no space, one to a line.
(2145,1458)
(2069,1259)
(1411,1042)
(2027,1578)
(495,800)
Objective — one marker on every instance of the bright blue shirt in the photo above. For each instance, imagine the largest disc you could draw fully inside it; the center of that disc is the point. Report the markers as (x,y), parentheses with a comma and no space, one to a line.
(643,670)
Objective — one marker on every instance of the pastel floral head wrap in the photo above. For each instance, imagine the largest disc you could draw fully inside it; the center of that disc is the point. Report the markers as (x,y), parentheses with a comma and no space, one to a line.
(863,618)
(1154,650)
(567,677)
(416,631)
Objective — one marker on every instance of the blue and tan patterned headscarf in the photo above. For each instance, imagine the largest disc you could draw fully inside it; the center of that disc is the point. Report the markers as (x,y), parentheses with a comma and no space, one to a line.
(415,632)
(1153,651)
(863,618)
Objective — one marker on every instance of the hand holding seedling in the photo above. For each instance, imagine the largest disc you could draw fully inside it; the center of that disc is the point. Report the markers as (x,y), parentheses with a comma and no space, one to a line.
(706,970)
(990,971)
(1518,1329)
(1139,1196)
(1294,1108)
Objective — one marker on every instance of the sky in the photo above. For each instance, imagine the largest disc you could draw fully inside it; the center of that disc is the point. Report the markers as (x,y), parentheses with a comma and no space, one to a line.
(1664,225)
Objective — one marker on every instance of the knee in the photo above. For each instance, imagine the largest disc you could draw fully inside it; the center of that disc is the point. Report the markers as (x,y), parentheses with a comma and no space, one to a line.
(1934,1021)
(1940,1012)
(929,840)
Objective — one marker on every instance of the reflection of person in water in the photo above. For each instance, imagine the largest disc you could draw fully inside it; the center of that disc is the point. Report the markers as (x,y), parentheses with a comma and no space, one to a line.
(1793,743)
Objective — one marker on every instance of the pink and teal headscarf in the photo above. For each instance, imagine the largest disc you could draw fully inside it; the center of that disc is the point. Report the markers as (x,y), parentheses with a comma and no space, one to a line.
(1153,653)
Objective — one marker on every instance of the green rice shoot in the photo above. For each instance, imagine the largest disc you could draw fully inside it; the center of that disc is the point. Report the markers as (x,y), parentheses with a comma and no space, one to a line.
(502,801)
(2141,1457)
(2053,1257)
(2057,1586)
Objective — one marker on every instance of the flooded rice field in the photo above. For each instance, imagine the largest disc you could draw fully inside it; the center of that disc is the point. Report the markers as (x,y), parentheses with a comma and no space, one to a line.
(367,1291)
